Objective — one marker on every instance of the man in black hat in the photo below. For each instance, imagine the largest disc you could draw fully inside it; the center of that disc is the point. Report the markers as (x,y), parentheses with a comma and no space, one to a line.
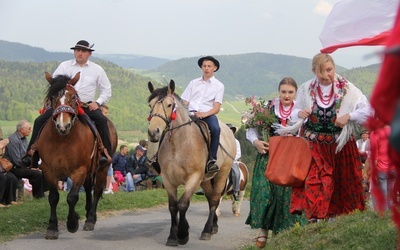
(204,97)
(92,78)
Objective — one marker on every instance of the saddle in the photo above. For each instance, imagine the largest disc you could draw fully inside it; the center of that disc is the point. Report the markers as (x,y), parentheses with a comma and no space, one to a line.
(205,132)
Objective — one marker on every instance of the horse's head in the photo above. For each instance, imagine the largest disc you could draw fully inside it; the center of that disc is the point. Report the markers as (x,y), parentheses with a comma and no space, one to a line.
(163,110)
(64,101)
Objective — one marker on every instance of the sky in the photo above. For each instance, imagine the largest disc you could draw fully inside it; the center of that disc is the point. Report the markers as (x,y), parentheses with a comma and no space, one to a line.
(176,29)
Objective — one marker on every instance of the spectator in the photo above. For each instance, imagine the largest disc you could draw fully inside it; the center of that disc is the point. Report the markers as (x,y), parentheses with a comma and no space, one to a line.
(8,181)
(15,150)
(363,145)
(108,188)
(120,162)
(137,164)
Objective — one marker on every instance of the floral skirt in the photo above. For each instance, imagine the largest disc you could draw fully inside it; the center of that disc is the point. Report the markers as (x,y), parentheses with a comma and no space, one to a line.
(269,203)
(334,184)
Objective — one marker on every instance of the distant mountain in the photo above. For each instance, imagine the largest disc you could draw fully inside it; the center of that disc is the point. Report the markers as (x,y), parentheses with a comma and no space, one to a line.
(243,75)
(11,51)
(19,52)
(133,61)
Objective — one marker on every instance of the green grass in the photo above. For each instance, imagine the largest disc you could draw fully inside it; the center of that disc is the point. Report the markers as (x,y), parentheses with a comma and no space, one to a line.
(33,215)
(360,230)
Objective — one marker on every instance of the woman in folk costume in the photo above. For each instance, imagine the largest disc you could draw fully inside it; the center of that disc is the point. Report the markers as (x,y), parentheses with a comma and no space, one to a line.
(269,203)
(328,109)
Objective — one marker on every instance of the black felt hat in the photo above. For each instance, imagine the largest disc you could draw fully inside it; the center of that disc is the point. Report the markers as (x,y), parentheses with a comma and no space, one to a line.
(233,128)
(210,58)
(83,45)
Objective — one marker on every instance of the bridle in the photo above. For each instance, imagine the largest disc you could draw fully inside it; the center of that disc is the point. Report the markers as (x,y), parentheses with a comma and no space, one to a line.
(164,117)
(67,108)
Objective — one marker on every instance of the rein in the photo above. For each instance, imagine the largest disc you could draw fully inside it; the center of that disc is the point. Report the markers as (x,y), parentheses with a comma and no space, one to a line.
(169,127)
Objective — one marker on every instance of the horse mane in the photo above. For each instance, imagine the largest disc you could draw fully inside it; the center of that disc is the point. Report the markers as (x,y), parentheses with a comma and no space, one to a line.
(163,92)
(57,84)
(160,93)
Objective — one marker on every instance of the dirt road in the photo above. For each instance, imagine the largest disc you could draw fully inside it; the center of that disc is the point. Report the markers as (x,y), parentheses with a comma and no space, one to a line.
(146,230)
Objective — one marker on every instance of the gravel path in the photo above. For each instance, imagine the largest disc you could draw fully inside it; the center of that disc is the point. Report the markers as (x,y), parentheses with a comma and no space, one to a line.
(146,229)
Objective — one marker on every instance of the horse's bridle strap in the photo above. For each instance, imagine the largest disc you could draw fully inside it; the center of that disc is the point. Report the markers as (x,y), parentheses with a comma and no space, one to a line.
(63,109)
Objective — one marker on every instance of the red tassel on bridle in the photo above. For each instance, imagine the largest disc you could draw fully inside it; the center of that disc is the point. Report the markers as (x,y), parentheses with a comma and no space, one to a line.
(173,116)
(80,109)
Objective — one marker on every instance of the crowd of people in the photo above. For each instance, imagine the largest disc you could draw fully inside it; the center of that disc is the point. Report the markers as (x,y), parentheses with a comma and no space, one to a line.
(131,172)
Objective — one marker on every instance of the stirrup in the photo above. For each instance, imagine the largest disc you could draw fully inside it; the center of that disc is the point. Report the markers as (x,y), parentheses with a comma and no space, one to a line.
(104,157)
(212,166)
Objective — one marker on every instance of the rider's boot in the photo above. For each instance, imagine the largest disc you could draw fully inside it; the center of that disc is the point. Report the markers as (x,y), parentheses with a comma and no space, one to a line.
(104,157)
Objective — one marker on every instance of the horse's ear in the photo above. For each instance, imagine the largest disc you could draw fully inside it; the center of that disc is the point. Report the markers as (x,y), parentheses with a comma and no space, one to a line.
(48,77)
(171,87)
(74,80)
(151,87)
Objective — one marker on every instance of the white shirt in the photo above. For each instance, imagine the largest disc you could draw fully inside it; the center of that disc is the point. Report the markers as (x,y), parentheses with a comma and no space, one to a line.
(202,95)
(92,77)
(238,151)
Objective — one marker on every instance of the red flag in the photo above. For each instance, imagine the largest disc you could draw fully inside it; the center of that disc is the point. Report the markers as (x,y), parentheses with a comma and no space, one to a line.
(386,93)
(358,22)
(385,98)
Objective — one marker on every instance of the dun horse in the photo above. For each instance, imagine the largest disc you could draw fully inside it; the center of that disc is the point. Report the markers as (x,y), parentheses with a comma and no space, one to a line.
(182,156)
(68,148)
(244,177)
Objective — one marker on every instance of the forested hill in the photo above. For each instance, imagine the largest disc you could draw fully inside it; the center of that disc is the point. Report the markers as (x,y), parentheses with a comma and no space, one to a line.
(23,86)
(257,73)
(11,51)
(22,81)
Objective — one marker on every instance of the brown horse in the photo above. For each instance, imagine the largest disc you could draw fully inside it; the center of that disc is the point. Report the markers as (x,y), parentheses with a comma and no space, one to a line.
(68,148)
(244,177)
(182,156)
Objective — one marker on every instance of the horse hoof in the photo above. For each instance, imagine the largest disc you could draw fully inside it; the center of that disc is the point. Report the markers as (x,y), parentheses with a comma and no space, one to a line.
(171,243)
(51,235)
(236,214)
(214,230)
(183,241)
(89,226)
(205,236)
(72,228)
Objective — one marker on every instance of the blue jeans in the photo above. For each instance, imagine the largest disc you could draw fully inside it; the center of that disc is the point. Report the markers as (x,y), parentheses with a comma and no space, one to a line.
(110,171)
(69,185)
(130,182)
(215,131)
(386,182)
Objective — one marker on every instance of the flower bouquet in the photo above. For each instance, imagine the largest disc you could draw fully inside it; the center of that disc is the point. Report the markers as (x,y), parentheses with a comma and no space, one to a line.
(260,116)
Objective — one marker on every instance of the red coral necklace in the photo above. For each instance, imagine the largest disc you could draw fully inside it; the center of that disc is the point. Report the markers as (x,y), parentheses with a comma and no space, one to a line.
(284,114)
(324,100)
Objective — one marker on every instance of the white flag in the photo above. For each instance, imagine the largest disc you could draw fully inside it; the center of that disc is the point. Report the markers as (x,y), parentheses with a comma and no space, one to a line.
(358,22)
